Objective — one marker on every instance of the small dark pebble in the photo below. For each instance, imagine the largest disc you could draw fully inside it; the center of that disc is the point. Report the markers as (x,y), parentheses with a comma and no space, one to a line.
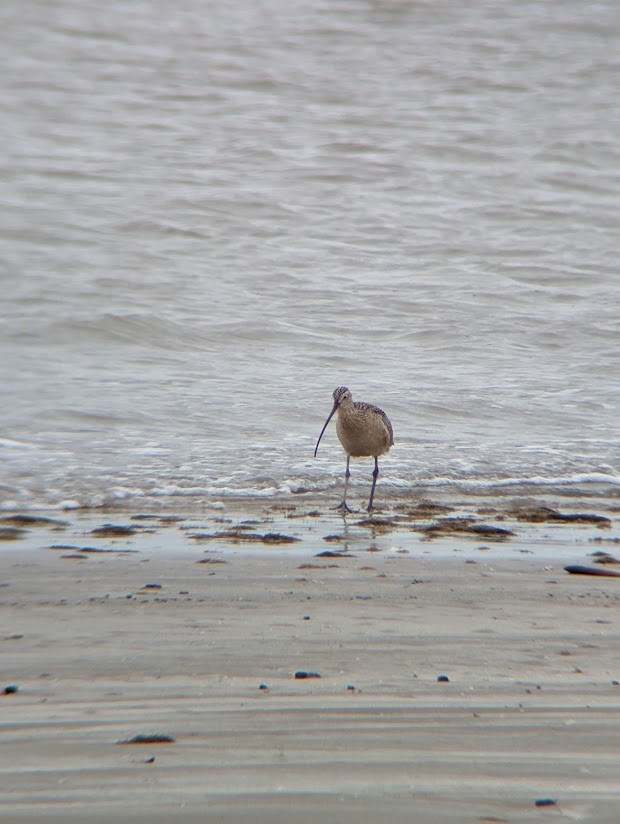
(11,689)
(351,687)
(304,674)
(545,802)
(616,683)
(443,678)
(150,760)
(152,586)
(148,739)
(306,617)
(263,687)
(329,553)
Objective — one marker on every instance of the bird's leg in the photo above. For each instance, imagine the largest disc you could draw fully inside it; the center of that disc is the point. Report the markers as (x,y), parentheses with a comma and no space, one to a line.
(347,475)
(343,506)
(375,475)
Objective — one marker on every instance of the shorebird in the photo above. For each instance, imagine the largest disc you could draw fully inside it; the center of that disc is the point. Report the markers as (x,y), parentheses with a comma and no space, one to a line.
(364,431)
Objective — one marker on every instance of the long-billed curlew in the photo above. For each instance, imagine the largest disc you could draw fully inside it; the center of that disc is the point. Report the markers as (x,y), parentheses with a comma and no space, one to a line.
(363,430)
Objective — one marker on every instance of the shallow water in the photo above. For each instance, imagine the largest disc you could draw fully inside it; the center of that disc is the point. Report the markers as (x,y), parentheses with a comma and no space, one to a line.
(213,216)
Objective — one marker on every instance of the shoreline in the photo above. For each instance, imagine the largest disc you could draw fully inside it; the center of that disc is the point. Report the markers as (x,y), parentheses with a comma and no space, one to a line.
(441,527)
(157,633)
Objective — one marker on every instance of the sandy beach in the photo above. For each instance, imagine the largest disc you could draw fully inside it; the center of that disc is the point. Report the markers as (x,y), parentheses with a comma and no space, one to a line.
(155,667)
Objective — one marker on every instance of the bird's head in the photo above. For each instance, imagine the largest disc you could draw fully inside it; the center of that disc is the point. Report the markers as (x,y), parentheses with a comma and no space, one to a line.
(341,394)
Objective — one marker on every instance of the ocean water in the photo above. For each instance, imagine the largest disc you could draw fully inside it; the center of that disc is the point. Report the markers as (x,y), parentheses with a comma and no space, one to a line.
(213,214)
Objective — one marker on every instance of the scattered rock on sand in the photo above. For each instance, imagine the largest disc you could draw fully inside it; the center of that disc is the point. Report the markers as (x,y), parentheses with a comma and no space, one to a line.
(300,674)
(578,569)
(545,802)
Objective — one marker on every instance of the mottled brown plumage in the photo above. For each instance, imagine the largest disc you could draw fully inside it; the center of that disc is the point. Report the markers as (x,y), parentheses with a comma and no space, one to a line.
(364,430)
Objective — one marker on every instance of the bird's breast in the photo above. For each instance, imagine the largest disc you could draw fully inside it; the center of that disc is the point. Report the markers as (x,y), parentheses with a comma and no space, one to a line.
(362,435)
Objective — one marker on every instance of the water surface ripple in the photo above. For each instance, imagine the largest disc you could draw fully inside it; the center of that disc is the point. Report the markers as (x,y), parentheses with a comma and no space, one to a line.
(213,214)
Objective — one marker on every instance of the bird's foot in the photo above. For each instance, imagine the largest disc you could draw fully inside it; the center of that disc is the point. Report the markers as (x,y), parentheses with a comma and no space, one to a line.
(344,509)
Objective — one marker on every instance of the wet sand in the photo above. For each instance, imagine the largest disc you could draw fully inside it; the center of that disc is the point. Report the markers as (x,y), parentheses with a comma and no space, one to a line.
(157,633)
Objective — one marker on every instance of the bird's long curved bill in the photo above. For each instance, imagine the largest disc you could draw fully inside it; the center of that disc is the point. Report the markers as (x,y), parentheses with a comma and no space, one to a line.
(329,417)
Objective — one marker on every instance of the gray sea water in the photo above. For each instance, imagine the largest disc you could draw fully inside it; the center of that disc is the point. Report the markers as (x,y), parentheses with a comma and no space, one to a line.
(214,213)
